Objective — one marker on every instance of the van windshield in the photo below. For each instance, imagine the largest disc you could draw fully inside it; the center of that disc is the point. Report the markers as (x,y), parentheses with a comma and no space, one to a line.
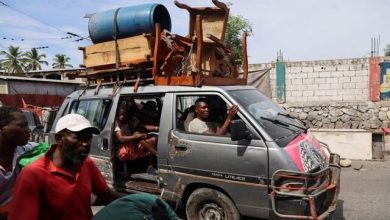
(269,115)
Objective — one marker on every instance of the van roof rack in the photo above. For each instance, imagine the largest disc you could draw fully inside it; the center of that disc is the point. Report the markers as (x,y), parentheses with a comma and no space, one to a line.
(108,78)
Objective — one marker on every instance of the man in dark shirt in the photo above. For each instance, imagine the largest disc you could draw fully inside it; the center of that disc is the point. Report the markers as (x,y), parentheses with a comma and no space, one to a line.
(14,136)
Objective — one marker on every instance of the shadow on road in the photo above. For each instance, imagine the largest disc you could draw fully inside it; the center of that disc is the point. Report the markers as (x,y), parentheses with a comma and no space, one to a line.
(339,213)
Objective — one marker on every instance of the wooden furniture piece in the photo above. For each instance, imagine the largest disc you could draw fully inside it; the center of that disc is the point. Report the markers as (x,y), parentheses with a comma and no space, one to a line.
(137,49)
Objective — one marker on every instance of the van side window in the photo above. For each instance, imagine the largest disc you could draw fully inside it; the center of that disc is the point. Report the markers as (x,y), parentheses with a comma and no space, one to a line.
(95,110)
(185,111)
(201,114)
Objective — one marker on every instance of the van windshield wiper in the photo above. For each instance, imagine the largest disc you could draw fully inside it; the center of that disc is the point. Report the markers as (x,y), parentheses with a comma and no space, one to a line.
(288,116)
(285,123)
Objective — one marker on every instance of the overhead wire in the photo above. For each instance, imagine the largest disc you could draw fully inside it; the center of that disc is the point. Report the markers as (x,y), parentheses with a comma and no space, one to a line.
(46,24)
(33,39)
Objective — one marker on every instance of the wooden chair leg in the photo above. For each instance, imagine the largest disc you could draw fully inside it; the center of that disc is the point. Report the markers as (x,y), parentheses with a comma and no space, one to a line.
(156,52)
(198,76)
(199,43)
(244,57)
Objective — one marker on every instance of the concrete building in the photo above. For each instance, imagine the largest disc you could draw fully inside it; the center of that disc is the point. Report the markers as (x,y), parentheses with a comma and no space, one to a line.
(48,88)
(59,74)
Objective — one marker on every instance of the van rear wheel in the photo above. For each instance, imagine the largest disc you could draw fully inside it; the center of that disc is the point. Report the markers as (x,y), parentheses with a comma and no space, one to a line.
(209,204)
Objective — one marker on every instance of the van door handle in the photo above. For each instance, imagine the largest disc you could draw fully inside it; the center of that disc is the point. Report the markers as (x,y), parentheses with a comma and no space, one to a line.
(181,147)
(104,144)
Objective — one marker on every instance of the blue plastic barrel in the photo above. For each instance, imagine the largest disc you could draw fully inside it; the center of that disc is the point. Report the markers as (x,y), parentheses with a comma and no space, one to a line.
(131,21)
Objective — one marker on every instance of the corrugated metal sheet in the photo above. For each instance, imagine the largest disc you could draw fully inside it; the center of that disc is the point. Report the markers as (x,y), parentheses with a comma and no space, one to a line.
(24,87)
(37,100)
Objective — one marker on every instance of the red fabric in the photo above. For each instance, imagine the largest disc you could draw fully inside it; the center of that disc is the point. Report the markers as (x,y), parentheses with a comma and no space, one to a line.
(386,130)
(131,151)
(44,191)
(4,208)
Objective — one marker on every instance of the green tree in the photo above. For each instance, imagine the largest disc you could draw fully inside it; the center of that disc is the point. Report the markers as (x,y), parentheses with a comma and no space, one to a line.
(14,62)
(35,61)
(387,50)
(236,26)
(60,61)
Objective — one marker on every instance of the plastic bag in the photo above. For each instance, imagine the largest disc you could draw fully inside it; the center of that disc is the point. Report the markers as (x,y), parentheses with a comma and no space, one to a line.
(33,154)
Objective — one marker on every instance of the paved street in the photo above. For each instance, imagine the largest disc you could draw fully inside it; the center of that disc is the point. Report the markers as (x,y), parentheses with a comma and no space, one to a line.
(365,194)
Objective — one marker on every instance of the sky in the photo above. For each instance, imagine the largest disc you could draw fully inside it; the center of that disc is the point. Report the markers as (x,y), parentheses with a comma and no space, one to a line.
(302,30)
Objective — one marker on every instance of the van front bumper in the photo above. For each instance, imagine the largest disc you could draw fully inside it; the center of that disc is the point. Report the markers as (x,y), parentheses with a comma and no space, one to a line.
(300,195)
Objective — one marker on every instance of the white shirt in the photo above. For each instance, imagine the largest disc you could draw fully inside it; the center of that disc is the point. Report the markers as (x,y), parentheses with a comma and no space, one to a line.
(8,178)
(199,126)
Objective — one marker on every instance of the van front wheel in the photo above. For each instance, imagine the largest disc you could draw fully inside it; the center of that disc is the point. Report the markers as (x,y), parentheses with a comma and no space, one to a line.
(209,204)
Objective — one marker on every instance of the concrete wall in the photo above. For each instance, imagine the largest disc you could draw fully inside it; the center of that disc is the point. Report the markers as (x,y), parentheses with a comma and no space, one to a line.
(336,94)
(323,80)
(348,143)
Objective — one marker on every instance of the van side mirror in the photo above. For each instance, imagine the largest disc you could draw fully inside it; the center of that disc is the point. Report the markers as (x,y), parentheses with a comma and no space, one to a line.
(239,131)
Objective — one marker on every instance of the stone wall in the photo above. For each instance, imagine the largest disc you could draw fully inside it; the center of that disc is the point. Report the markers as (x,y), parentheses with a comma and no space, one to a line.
(351,115)
(323,80)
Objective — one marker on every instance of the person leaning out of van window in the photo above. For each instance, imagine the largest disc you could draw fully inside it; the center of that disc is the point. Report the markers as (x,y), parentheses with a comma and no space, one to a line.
(129,129)
(201,123)
(59,184)
(14,136)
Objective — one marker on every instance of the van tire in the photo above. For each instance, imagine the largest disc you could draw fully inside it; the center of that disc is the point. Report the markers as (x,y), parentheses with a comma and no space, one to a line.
(205,203)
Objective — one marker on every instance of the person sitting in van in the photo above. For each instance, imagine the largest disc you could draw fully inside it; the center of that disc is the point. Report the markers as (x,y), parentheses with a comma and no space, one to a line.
(202,124)
(149,114)
(132,134)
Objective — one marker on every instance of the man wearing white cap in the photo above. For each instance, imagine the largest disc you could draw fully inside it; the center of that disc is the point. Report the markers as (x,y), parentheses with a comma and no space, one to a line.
(59,185)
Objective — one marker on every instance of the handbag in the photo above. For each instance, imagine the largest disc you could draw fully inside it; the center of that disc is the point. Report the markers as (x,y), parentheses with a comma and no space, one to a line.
(131,151)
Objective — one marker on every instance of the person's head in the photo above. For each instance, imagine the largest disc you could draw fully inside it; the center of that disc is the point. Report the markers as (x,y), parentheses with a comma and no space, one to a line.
(14,126)
(149,112)
(73,137)
(218,108)
(122,115)
(202,109)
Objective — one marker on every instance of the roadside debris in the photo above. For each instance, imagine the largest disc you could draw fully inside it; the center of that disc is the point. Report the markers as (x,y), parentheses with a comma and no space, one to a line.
(360,168)
(345,162)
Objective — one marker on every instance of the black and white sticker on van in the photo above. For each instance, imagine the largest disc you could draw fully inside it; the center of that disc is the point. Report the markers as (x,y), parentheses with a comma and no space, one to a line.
(306,152)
